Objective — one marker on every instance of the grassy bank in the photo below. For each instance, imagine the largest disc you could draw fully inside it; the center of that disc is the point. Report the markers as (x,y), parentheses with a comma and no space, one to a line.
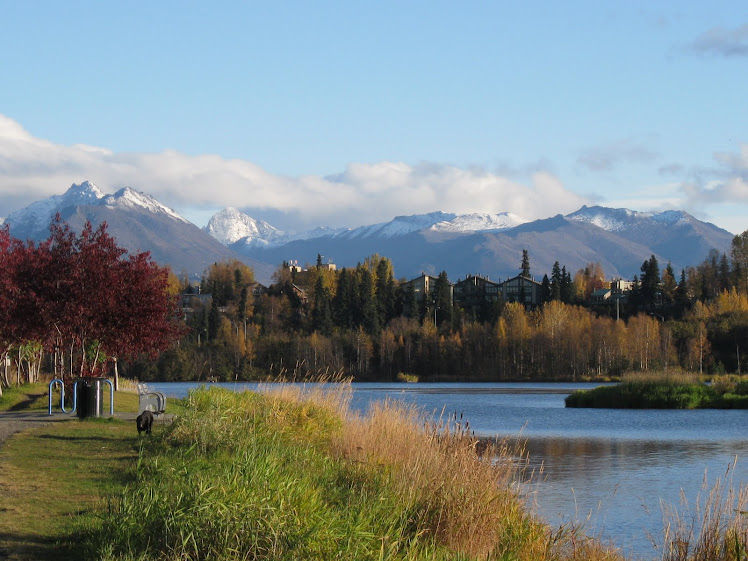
(247,476)
(665,391)
(292,476)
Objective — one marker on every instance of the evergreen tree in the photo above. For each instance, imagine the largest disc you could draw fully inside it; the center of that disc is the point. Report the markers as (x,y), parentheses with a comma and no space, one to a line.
(545,290)
(385,291)
(410,304)
(344,303)
(739,255)
(443,299)
(567,288)
(723,273)
(241,308)
(650,281)
(556,281)
(682,299)
(669,285)
(369,318)
(321,312)
(525,264)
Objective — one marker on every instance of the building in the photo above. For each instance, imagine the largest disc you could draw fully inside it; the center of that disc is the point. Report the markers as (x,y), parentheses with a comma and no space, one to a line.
(421,286)
(474,293)
(525,290)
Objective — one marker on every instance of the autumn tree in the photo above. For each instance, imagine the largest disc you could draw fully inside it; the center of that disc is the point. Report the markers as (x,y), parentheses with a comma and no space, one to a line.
(84,296)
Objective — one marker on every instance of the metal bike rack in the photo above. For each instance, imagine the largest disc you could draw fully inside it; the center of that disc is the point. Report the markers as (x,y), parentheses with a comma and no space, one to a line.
(75,395)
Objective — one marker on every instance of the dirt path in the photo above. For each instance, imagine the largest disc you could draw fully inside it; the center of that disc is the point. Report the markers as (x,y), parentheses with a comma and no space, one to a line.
(12,422)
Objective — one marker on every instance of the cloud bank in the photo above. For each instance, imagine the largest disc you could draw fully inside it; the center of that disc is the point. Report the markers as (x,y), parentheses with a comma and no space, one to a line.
(33,168)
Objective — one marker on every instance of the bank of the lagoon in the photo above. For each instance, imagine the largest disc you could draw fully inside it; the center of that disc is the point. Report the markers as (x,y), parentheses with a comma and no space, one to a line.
(663,394)
(616,464)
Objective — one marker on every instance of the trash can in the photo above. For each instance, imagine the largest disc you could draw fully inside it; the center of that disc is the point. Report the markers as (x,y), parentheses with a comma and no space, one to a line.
(90,397)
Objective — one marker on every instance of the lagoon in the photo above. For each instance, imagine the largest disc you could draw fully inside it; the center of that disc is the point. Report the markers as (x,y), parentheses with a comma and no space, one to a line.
(615,466)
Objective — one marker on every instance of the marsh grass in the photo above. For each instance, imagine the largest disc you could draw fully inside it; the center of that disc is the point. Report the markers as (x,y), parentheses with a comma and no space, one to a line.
(295,474)
(713,528)
(664,390)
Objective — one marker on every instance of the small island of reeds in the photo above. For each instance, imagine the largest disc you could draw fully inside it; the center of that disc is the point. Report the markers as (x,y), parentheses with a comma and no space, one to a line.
(665,390)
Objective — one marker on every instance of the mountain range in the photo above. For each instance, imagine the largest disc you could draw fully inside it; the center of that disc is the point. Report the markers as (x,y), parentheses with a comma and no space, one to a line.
(487,244)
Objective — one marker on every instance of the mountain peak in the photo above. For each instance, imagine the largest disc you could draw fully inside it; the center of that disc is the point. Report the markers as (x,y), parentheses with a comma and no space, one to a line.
(623,219)
(83,193)
(231,225)
(129,198)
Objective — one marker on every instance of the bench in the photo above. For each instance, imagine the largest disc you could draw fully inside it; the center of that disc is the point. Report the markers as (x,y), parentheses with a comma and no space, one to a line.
(152,401)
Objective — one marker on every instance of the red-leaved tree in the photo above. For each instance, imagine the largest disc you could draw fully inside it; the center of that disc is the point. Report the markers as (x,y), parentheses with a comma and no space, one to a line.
(83,298)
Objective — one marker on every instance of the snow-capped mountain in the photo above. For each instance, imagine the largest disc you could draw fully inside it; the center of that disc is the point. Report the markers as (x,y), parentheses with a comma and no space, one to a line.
(137,221)
(623,219)
(34,219)
(231,225)
(491,244)
(127,198)
(398,226)
(480,222)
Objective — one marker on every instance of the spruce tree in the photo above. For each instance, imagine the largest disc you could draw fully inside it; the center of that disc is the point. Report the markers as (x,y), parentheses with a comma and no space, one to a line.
(321,312)
(525,264)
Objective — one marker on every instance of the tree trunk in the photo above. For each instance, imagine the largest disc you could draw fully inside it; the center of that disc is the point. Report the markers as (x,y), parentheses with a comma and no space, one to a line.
(116,375)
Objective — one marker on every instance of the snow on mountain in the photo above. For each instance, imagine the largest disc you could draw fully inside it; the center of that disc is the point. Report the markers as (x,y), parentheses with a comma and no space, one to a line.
(622,219)
(231,225)
(33,220)
(127,198)
(37,215)
(398,226)
(476,222)
(2,220)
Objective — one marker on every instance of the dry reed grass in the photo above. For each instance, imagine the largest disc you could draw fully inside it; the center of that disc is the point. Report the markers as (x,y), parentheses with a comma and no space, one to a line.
(715,528)
(677,377)
(469,495)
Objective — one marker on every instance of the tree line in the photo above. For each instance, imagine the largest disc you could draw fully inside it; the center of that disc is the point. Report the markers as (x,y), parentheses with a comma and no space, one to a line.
(77,304)
(363,322)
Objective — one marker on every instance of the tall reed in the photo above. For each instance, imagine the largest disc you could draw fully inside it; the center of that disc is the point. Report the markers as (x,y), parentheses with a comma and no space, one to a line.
(713,528)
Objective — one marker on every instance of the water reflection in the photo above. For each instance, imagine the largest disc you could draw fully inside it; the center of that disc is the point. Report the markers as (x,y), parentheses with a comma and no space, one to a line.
(621,484)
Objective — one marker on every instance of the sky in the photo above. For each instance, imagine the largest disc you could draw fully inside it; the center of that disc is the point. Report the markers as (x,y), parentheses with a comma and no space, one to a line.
(350,113)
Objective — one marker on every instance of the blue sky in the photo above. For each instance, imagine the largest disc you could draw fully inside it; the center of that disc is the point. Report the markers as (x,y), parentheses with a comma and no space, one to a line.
(350,113)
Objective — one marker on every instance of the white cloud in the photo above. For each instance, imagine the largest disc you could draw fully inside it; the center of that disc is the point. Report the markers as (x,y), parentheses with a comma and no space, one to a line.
(730,187)
(32,169)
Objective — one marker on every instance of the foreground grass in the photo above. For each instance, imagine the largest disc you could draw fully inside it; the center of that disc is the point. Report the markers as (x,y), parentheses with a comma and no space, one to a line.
(665,391)
(287,476)
(54,477)
(249,476)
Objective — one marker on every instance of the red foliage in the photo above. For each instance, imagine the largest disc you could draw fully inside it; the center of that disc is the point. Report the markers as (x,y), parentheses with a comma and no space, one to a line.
(74,292)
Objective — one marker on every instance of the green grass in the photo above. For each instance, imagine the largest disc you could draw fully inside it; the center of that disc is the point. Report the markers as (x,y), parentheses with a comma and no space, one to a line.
(242,478)
(666,392)
(55,477)
(275,477)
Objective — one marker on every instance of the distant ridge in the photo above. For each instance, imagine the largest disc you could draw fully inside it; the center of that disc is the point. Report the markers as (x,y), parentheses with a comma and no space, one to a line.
(619,239)
(489,244)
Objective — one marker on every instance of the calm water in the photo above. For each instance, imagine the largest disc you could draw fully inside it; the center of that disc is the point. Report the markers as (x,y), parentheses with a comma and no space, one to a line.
(615,466)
